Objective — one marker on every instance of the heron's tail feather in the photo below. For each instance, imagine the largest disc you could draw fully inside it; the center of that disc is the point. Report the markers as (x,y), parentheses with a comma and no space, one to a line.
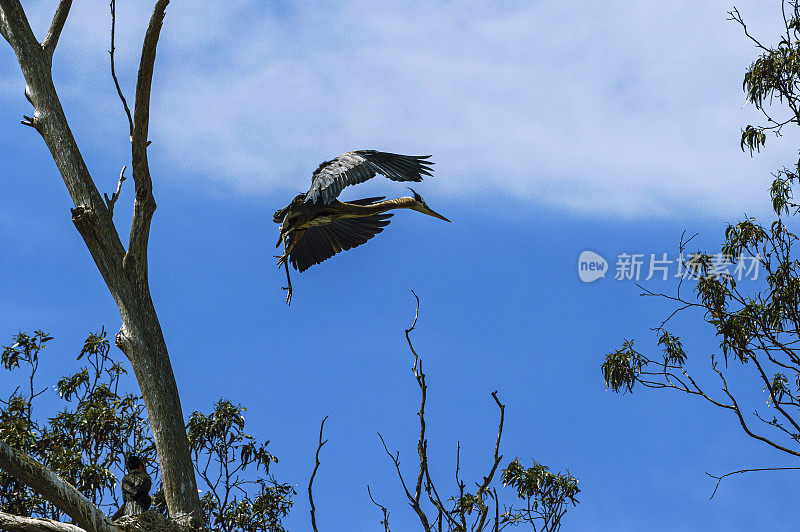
(130,508)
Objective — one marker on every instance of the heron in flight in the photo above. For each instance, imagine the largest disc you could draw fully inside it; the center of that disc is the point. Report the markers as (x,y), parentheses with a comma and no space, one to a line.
(315,225)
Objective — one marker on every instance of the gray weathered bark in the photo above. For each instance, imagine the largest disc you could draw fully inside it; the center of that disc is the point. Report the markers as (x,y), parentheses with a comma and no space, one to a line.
(16,523)
(124,271)
(49,485)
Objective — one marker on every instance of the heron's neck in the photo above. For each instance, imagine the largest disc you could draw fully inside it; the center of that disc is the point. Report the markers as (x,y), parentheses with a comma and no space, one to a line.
(383,206)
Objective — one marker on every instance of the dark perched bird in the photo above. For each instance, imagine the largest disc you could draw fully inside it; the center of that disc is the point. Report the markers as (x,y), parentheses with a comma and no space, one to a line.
(135,488)
(315,225)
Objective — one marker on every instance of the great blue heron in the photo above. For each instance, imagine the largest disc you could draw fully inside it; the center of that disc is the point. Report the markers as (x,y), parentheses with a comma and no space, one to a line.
(315,225)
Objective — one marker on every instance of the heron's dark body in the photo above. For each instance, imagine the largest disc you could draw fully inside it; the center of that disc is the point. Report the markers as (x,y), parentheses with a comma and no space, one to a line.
(135,494)
(302,215)
(313,232)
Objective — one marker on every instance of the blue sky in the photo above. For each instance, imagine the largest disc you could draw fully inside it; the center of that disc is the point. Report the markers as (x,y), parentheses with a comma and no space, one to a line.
(555,127)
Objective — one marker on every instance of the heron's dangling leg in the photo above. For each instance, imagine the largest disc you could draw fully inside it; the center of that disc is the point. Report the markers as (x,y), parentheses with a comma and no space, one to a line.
(289,283)
(283,258)
(294,236)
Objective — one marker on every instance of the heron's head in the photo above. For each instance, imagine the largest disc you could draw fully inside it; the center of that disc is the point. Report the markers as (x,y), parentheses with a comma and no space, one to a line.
(133,462)
(280,214)
(421,206)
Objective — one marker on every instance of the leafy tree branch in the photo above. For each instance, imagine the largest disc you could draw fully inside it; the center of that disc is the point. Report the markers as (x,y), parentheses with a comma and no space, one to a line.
(757,325)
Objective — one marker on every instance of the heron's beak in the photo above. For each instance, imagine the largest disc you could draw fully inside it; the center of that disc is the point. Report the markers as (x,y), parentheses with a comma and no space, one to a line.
(427,210)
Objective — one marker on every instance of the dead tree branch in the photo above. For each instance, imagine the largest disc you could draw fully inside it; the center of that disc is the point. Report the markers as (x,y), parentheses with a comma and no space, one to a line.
(63,495)
(422,442)
(60,17)
(314,474)
(27,121)
(457,517)
(497,457)
(115,196)
(719,478)
(383,509)
(124,272)
(145,204)
(408,335)
(16,523)
(114,72)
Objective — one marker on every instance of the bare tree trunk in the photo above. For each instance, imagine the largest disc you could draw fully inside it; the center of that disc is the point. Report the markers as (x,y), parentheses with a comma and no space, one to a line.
(124,272)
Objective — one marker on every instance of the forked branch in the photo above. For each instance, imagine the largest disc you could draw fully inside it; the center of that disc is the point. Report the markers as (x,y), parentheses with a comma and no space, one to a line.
(115,196)
(721,477)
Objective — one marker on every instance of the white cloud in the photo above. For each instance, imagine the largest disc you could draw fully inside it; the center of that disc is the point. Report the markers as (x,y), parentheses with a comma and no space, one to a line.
(609,108)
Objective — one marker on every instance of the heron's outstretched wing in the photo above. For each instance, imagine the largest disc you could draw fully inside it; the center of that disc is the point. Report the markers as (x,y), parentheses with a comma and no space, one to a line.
(356,167)
(323,242)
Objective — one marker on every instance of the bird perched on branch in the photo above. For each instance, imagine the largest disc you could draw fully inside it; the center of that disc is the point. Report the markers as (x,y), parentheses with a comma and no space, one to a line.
(135,488)
(315,225)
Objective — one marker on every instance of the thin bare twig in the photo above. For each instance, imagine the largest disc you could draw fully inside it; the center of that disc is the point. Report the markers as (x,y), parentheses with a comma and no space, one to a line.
(719,478)
(460,483)
(497,457)
(314,474)
(28,121)
(385,521)
(114,73)
(115,196)
(395,458)
(735,16)
(422,443)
